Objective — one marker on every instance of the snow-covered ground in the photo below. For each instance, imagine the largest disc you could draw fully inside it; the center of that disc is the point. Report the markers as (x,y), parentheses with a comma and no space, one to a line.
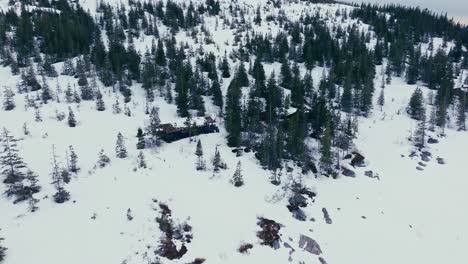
(405,216)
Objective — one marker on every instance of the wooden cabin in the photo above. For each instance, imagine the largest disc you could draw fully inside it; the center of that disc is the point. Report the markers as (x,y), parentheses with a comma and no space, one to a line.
(171,132)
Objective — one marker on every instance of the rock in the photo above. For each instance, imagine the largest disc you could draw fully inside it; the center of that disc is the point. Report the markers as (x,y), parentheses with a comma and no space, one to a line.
(322,260)
(419,168)
(369,174)
(244,248)
(199,261)
(309,245)
(326,216)
(299,215)
(347,172)
(432,141)
(440,160)
(358,160)
(269,235)
(425,156)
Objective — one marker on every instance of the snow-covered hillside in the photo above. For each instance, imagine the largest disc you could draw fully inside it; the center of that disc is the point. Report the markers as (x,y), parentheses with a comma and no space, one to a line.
(400,205)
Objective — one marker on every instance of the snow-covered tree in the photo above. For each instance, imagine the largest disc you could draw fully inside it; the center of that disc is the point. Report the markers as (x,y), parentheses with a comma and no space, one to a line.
(200,164)
(120,149)
(103,159)
(141,161)
(72,160)
(141,139)
(419,137)
(71,118)
(8,99)
(100,106)
(153,125)
(461,112)
(2,250)
(58,180)
(237,178)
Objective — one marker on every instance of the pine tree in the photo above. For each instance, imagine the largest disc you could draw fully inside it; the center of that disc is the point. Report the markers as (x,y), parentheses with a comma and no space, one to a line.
(2,250)
(58,181)
(200,165)
(233,119)
(116,109)
(217,162)
(381,99)
(30,188)
(237,178)
(12,165)
(72,160)
(120,149)
(37,114)
(46,94)
(461,112)
(141,162)
(103,159)
(153,125)
(71,118)
(225,70)
(160,57)
(258,17)
(326,159)
(416,104)
(8,99)
(141,139)
(347,98)
(100,106)
(419,137)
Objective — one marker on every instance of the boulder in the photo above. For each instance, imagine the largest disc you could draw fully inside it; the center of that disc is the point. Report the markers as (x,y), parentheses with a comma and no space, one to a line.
(357,160)
(269,235)
(326,216)
(347,172)
(309,245)
(244,248)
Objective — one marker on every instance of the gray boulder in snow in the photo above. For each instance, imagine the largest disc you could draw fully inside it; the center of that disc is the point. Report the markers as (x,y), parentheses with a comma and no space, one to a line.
(347,172)
(309,245)
(326,216)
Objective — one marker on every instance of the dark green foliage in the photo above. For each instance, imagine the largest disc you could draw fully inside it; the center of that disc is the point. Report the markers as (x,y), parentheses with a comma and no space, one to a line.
(233,111)
(416,105)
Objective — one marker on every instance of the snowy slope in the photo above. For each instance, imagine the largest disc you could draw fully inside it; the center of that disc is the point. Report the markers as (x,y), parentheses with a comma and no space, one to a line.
(405,216)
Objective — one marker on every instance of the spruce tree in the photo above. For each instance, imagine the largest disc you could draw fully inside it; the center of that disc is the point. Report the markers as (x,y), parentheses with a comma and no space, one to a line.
(100,105)
(326,159)
(237,178)
(103,159)
(2,250)
(154,122)
(58,180)
(160,57)
(120,149)
(12,165)
(200,165)
(71,118)
(72,160)
(416,104)
(381,99)
(461,112)
(141,161)
(419,137)
(225,70)
(141,139)
(233,119)
(8,99)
